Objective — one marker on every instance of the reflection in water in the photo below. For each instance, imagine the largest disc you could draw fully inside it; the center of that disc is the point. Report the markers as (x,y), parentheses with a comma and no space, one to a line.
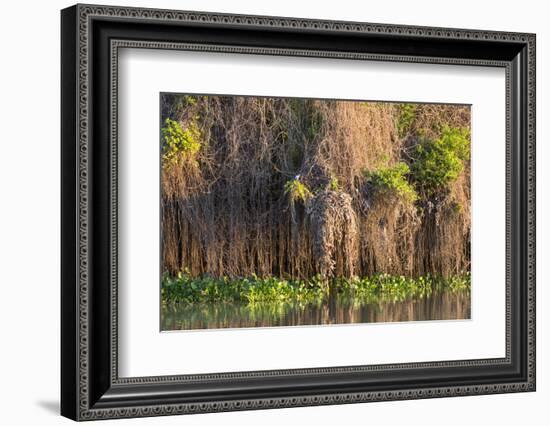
(437,306)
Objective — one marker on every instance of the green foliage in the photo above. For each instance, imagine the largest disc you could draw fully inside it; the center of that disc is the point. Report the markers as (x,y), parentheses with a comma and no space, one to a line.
(393,180)
(407,114)
(253,290)
(206,289)
(439,162)
(178,141)
(188,101)
(385,287)
(297,191)
(334,185)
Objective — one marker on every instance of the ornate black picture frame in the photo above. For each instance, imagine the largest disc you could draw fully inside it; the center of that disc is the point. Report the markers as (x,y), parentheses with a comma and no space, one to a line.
(90,38)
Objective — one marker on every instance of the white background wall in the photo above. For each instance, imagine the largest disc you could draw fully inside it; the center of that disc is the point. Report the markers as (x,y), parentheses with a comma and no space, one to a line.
(29,211)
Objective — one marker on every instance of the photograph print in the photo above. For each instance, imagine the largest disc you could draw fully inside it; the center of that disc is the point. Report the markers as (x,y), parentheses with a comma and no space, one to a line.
(283,212)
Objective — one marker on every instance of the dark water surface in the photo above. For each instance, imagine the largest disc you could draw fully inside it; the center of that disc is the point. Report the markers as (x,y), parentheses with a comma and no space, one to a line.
(437,306)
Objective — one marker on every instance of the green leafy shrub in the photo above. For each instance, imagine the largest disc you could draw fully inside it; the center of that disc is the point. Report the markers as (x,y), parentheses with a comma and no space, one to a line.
(439,162)
(393,180)
(179,141)
(297,191)
(407,114)
(334,185)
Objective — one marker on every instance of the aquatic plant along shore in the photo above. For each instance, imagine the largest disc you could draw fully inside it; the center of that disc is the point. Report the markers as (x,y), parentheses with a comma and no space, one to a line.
(206,302)
(252,290)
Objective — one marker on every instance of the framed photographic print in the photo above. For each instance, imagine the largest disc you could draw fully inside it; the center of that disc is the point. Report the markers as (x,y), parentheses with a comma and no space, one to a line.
(263,212)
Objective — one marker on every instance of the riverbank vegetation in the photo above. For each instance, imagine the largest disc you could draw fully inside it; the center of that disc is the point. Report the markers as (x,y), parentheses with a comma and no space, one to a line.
(368,199)
(253,290)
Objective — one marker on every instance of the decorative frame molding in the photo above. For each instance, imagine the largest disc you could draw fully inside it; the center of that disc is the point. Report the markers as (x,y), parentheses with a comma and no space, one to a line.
(91,388)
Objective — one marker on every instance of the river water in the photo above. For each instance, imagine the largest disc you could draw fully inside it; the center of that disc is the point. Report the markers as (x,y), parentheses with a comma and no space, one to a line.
(437,306)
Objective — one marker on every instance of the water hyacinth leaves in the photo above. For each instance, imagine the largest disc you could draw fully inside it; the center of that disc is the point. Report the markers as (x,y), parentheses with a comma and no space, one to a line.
(253,290)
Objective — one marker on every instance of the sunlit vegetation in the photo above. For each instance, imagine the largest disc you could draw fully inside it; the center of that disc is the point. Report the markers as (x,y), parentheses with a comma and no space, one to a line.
(392,181)
(179,142)
(297,191)
(439,162)
(251,290)
(268,200)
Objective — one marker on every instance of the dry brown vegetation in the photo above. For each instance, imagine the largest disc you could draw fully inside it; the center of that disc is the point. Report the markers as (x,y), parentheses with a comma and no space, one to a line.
(281,187)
